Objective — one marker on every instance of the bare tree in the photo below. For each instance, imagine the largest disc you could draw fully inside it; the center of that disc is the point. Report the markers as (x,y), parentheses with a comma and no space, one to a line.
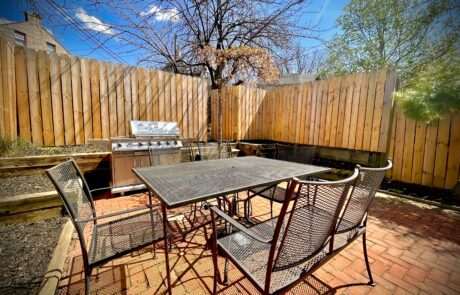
(303,61)
(214,38)
(229,41)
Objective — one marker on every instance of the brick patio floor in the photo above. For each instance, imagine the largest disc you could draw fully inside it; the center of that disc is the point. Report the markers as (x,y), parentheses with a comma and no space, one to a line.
(413,249)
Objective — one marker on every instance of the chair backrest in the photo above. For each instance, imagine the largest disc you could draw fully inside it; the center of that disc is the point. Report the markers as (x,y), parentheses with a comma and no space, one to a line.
(308,227)
(75,194)
(358,203)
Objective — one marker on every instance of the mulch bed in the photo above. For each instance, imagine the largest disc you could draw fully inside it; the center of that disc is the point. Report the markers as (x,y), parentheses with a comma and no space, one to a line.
(24,184)
(37,151)
(25,251)
(414,190)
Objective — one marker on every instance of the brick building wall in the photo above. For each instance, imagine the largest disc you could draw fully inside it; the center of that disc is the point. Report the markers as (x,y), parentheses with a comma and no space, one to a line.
(36,36)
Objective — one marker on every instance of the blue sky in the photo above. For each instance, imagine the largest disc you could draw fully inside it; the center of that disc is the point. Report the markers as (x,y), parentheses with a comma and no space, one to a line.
(77,44)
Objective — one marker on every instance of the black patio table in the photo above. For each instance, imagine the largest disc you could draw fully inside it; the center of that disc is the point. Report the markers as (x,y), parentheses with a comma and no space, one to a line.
(187,183)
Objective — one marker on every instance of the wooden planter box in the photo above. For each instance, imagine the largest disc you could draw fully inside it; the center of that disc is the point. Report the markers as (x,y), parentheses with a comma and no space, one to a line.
(30,165)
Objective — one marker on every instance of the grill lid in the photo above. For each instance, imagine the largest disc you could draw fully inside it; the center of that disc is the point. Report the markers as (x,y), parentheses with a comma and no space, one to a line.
(154,128)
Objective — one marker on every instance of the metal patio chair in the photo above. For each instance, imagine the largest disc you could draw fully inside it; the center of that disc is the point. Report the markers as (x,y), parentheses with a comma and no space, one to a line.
(278,253)
(353,220)
(276,193)
(123,232)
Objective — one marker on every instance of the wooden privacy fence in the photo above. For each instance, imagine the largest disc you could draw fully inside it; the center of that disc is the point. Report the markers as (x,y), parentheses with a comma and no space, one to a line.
(350,112)
(425,154)
(66,100)
(354,112)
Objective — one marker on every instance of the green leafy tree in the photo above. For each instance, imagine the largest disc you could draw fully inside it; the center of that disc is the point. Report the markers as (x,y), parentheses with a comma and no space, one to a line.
(412,36)
(405,34)
(433,91)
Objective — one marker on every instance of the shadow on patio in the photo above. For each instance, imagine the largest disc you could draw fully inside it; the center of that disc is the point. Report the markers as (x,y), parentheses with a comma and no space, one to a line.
(413,249)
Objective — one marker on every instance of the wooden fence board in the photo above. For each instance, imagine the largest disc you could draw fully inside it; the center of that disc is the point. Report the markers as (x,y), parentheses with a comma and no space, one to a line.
(104,98)
(409,138)
(142,79)
(185,109)
(112,89)
(9,91)
(22,93)
(387,108)
(2,99)
(67,103)
(378,110)
(361,112)
(95,98)
(453,163)
(119,87)
(127,100)
(155,97)
(337,140)
(148,96)
(38,130)
(56,100)
(134,95)
(348,101)
(86,99)
(429,154)
(419,149)
(369,111)
(355,108)
(77,100)
(442,142)
(161,97)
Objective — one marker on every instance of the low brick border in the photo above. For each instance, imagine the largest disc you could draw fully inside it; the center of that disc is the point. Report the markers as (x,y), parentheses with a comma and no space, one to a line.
(55,268)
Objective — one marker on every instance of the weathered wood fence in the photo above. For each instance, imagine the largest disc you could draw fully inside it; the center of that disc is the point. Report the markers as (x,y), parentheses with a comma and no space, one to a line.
(425,154)
(353,112)
(66,100)
(350,112)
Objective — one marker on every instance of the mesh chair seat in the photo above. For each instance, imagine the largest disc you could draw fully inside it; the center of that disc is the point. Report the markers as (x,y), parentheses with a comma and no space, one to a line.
(253,255)
(115,237)
(277,196)
(344,238)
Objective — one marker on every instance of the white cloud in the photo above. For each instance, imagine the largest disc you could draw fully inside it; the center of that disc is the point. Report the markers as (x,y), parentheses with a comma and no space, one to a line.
(93,23)
(169,14)
(4,21)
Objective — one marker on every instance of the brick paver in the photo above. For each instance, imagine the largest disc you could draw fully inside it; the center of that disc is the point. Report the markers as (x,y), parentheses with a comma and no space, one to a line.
(413,249)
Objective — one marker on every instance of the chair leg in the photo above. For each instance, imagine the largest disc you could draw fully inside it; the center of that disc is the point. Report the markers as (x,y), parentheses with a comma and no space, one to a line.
(271,208)
(154,250)
(366,258)
(87,281)
(225,282)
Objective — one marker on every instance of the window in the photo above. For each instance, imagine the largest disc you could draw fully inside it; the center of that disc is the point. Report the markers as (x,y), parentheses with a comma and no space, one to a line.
(50,47)
(20,38)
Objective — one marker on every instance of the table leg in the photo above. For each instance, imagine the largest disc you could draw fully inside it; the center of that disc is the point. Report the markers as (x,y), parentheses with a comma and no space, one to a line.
(165,238)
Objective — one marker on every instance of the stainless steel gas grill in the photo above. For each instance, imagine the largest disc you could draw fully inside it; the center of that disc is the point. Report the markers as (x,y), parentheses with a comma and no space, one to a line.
(152,143)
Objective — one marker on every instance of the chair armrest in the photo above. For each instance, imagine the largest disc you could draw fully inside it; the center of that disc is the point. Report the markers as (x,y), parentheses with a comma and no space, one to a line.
(115,214)
(236,224)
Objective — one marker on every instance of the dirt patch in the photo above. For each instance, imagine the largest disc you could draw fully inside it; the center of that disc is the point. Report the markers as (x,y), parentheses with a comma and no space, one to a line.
(25,184)
(419,191)
(25,251)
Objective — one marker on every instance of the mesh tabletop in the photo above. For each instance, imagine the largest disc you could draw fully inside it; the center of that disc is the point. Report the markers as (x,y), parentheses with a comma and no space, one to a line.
(191,182)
